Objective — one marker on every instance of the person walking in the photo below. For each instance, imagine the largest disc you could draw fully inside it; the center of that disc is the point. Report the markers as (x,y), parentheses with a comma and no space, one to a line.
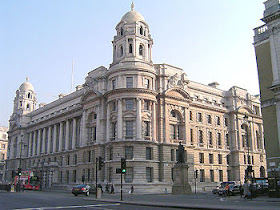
(112,189)
(131,190)
(241,190)
(246,190)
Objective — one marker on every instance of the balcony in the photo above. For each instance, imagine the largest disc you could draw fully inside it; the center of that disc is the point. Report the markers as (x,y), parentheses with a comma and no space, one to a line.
(261,33)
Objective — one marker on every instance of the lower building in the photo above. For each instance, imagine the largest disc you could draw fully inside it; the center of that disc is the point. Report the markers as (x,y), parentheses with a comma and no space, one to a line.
(140,111)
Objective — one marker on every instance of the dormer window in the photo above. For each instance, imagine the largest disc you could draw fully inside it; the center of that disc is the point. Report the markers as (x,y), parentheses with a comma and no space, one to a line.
(141,49)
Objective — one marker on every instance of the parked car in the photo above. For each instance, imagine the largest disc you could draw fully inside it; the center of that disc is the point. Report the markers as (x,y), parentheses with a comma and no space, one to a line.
(81,189)
(216,190)
(233,190)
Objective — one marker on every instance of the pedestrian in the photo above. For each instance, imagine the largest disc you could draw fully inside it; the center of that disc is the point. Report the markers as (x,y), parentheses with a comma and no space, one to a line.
(112,189)
(131,190)
(246,190)
(107,188)
(227,190)
(241,190)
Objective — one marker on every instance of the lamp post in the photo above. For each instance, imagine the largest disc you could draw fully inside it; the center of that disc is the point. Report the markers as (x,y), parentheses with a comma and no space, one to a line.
(249,167)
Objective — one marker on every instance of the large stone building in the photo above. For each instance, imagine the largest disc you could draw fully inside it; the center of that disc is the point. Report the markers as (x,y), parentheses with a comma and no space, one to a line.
(267,48)
(141,111)
(3,150)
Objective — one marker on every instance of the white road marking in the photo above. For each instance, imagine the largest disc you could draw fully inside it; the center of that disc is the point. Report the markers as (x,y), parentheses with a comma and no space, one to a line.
(69,207)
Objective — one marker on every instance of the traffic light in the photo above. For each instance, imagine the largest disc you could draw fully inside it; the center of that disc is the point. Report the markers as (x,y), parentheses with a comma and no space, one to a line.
(101,162)
(19,171)
(123,165)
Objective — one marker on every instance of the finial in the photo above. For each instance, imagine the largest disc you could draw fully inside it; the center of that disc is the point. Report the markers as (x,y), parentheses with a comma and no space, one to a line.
(132,6)
(27,79)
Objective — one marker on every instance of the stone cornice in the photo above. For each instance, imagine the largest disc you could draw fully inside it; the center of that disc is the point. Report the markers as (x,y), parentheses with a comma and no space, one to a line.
(130,90)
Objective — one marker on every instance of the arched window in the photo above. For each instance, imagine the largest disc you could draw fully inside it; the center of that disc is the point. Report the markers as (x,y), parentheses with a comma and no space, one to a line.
(130,48)
(176,126)
(262,171)
(28,95)
(121,31)
(121,51)
(141,49)
(27,107)
(141,30)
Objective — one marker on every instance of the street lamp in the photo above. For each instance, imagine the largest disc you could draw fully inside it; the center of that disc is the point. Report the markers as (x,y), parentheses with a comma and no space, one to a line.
(249,167)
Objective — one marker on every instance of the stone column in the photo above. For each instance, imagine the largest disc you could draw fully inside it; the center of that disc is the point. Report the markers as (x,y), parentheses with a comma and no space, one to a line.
(166,124)
(83,130)
(261,137)
(49,140)
(120,123)
(108,123)
(30,144)
(39,142)
(18,145)
(74,133)
(186,127)
(98,127)
(154,121)
(44,140)
(34,143)
(54,137)
(60,136)
(138,119)
(67,136)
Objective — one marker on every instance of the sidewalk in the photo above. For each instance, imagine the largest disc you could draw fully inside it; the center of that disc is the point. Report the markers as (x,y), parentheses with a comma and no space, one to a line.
(194,201)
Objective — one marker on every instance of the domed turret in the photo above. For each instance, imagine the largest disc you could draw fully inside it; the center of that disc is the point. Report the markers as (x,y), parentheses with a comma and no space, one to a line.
(26,86)
(133,42)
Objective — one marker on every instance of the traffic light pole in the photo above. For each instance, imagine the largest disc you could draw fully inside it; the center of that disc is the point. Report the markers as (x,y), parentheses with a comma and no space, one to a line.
(121,187)
(96,171)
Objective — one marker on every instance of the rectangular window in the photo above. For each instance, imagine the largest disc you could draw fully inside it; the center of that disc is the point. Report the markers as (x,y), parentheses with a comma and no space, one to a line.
(244,159)
(191,136)
(200,136)
(88,175)
(199,117)
(227,159)
(221,176)
(111,153)
(114,106)
(114,130)
(219,139)
(227,140)
(209,119)
(89,156)
(129,82)
(146,83)
(129,129)
(68,160)
(211,175)
(202,175)
(128,152)
(218,120)
(110,174)
(172,154)
(210,138)
(201,157)
(147,128)
(128,176)
(172,131)
(149,174)
(75,159)
(226,122)
(220,159)
(211,159)
(67,177)
(191,117)
(113,84)
(148,153)
(74,175)
(146,105)
(129,104)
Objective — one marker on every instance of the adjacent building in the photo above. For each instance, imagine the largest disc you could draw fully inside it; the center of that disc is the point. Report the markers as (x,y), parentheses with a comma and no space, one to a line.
(138,110)
(267,48)
(3,150)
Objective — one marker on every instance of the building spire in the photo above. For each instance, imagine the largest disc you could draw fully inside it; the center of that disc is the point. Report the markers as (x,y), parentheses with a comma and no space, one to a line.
(27,79)
(132,6)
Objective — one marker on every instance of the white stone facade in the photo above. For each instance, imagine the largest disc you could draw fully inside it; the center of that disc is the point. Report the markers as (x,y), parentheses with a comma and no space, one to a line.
(141,111)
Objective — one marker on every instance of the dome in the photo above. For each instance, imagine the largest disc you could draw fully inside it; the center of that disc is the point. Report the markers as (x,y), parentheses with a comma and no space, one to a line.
(26,86)
(132,16)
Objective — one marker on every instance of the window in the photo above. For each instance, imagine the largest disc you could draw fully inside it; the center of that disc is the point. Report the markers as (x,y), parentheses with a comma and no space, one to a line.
(149,174)
(200,136)
(111,153)
(75,159)
(114,106)
(146,105)
(220,159)
(211,160)
(227,159)
(129,129)
(219,139)
(191,117)
(130,48)
(146,83)
(148,153)
(114,126)
(128,152)
(89,156)
(226,121)
(228,175)
(121,31)
(110,174)
(68,160)
(218,120)
(199,117)
(227,139)
(249,159)
(88,175)
(141,30)
(128,176)
(202,175)
(221,175)
(211,175)
(210,138)
(244,159)
(261,158)
(172,154)
(146,128)
(191,135)
(121,51)
(172,131)
(141,49)
(113,84)
(129,82)
(129,104)
(209,119)
(74,175)
(201,158)
(67,176)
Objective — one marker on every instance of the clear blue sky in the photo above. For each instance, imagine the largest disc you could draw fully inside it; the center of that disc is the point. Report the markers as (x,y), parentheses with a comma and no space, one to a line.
(210,40)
